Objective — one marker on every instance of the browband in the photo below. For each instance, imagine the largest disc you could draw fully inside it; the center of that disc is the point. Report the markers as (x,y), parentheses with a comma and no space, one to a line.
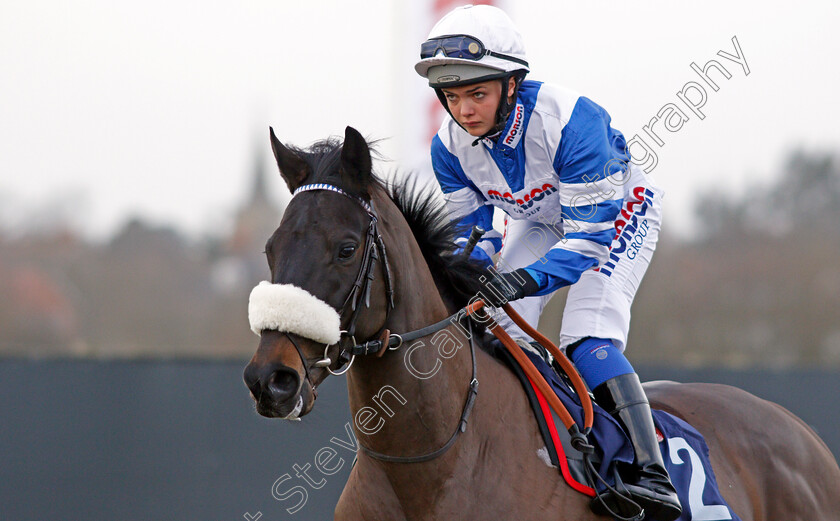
(331,188)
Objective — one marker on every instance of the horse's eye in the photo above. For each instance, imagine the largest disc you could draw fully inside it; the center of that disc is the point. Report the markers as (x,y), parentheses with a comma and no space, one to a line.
(346,252)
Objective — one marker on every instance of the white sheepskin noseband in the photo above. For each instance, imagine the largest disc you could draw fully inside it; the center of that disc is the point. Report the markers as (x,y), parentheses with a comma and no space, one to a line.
(288,308)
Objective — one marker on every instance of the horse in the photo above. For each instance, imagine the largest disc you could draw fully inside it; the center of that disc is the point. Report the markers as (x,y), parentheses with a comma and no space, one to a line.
(381,257)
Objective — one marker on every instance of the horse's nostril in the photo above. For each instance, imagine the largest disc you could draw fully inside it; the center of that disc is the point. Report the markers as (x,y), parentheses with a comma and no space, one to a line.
(276,383)
(252,379)
(283,383)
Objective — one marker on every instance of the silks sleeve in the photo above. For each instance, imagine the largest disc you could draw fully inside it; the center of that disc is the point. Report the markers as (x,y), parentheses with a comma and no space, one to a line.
(465,203)
(591,161)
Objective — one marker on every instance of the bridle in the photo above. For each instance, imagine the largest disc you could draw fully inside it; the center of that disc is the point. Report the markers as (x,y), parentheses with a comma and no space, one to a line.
(374,249)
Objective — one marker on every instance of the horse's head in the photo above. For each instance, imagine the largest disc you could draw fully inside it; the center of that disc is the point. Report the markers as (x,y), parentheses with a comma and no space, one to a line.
(325,277)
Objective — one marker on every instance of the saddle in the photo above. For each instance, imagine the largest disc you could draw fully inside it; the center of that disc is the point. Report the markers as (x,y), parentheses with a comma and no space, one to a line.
(684,450)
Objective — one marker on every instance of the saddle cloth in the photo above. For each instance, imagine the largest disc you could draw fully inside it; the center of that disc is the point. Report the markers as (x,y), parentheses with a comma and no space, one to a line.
(684,450)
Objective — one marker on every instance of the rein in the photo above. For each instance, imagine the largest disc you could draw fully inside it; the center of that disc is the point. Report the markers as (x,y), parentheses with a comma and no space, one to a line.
(374,250)
(579,439)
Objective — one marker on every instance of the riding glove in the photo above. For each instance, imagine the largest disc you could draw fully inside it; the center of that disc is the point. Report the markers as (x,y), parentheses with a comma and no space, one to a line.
(505,287)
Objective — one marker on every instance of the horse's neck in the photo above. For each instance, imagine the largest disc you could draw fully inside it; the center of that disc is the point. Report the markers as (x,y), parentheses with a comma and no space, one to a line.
(409,402)
(418,389)
(409,415)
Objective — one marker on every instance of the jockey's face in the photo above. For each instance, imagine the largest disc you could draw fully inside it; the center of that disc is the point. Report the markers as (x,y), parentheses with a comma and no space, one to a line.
(474,106)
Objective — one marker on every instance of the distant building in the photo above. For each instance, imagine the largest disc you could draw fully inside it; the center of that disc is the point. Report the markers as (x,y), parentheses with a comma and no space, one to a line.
(242,263)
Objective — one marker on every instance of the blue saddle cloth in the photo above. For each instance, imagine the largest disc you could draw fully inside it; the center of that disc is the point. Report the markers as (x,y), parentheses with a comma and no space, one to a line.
(683,448)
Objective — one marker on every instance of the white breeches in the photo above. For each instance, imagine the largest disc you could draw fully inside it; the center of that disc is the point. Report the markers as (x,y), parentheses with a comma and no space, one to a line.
(598,304)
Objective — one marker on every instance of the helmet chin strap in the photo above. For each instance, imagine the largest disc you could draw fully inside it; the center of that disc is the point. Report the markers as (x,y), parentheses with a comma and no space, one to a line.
(506,104)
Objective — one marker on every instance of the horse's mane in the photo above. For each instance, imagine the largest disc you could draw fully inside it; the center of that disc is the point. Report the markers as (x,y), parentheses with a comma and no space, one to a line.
(457,277)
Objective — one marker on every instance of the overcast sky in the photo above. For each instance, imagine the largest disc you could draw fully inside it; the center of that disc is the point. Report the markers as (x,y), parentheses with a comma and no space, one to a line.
(113,109)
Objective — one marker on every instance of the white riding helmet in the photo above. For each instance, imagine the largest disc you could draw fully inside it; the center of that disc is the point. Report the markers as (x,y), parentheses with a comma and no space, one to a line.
(471,43)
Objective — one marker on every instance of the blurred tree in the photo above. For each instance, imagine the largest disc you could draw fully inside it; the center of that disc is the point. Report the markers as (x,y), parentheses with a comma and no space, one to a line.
(808,194)
(760,284)
(805,197)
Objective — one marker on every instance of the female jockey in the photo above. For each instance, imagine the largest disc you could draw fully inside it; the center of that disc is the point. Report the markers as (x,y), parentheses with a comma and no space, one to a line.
(579,214)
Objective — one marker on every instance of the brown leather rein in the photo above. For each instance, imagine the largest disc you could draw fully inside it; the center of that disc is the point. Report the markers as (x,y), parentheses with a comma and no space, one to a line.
(579,438)
(374,249)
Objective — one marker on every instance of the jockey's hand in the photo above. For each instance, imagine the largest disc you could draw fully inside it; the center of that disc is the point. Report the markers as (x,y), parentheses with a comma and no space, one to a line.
(505,287)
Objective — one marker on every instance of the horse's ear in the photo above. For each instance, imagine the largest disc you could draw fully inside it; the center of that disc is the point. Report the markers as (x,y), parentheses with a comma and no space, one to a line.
(293,169)
(355,161)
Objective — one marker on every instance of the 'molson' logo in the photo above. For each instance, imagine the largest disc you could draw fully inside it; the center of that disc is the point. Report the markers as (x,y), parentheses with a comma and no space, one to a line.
(515,133)
(535,195)
(631,229)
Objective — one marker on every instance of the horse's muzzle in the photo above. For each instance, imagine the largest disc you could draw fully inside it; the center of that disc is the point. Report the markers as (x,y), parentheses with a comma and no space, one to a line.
(278,391)
(276,379)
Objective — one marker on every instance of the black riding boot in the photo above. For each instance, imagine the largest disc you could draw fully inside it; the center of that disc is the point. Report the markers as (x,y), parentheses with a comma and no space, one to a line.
(647,482)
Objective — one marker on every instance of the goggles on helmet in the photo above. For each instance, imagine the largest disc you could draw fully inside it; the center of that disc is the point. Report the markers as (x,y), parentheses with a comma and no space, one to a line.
(461,46)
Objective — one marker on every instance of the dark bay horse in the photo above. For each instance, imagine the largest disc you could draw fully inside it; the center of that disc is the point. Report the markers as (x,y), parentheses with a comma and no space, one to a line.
(407,401)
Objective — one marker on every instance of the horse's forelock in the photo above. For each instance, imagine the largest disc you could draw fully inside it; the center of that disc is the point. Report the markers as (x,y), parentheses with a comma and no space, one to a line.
(324,161)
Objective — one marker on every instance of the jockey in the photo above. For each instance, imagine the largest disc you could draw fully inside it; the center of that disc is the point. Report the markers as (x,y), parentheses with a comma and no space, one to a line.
(578,213)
